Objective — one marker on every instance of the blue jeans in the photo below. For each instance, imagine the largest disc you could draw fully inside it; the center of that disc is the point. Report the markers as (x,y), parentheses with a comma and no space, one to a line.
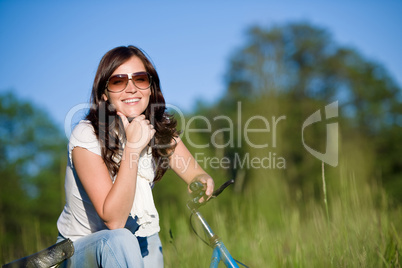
(116,248)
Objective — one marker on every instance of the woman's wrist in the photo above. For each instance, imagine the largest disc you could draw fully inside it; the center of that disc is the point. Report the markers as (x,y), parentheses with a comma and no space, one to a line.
(131,154)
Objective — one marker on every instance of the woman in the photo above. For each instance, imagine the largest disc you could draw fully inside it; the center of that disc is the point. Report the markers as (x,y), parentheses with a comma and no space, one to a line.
(126,143)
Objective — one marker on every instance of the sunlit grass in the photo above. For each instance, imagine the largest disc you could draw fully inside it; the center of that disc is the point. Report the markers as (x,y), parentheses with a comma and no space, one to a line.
(261,230)
(263,227)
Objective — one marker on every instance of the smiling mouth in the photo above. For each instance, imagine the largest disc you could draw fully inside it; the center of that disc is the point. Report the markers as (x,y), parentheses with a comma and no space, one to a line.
(131,100)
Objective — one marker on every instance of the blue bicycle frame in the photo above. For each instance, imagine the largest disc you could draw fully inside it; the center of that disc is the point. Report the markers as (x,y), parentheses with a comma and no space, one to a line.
(220,253)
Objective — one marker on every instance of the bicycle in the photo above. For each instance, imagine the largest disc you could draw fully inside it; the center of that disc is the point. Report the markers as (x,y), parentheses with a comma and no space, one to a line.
(220,252)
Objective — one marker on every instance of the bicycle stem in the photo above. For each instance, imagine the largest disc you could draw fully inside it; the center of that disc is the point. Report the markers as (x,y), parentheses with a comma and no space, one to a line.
(213,238)
(220,251)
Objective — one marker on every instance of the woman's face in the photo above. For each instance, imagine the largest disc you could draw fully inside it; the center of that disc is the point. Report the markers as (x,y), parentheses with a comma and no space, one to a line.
(131,101)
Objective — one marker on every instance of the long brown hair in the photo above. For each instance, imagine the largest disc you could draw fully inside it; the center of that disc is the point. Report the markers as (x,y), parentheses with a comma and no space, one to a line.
(108,126)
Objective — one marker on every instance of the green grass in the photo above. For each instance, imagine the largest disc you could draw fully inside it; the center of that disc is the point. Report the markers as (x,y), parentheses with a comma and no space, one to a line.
(265,227)
(262,228)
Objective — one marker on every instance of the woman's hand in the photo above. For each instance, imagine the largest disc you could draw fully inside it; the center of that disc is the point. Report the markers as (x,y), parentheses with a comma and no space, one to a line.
(208,182)
(138,133)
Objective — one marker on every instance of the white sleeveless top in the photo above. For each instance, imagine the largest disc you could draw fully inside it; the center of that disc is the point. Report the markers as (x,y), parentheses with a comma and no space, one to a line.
(79,217)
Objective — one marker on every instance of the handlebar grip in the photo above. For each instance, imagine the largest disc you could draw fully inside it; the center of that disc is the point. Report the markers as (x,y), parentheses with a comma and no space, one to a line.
(223,187)
(196,186)
(198,189)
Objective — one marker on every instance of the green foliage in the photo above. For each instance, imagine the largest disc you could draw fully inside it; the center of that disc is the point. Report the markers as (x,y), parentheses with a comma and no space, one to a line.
(277,217)
(296,69)
(31,173)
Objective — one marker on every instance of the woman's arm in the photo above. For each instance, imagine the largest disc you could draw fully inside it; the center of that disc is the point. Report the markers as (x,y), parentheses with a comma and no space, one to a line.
(184,164)
(113,201)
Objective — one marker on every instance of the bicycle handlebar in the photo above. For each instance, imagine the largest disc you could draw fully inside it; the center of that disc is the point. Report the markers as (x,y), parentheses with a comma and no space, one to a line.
(223,187)
(198,190)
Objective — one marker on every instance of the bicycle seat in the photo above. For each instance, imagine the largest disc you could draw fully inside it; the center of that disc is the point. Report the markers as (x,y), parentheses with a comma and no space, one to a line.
(49,257)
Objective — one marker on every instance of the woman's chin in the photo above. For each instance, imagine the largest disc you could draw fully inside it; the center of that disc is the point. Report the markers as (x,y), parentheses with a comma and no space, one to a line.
(132,114)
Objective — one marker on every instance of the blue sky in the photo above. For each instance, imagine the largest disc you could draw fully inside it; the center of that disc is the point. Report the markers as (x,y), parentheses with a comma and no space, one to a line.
(50,50)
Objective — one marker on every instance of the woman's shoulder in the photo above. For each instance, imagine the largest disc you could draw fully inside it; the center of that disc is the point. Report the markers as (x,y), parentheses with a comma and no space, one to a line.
(83,126)
(83,133)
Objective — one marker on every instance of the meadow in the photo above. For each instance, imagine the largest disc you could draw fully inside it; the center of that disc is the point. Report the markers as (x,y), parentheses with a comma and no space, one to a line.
(356,227)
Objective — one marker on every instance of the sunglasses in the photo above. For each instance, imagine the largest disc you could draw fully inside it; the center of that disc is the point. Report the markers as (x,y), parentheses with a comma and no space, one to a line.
(118,82)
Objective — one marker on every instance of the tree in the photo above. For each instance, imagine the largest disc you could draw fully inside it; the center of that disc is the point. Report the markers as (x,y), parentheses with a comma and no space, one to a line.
(297,68)
(32,153)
